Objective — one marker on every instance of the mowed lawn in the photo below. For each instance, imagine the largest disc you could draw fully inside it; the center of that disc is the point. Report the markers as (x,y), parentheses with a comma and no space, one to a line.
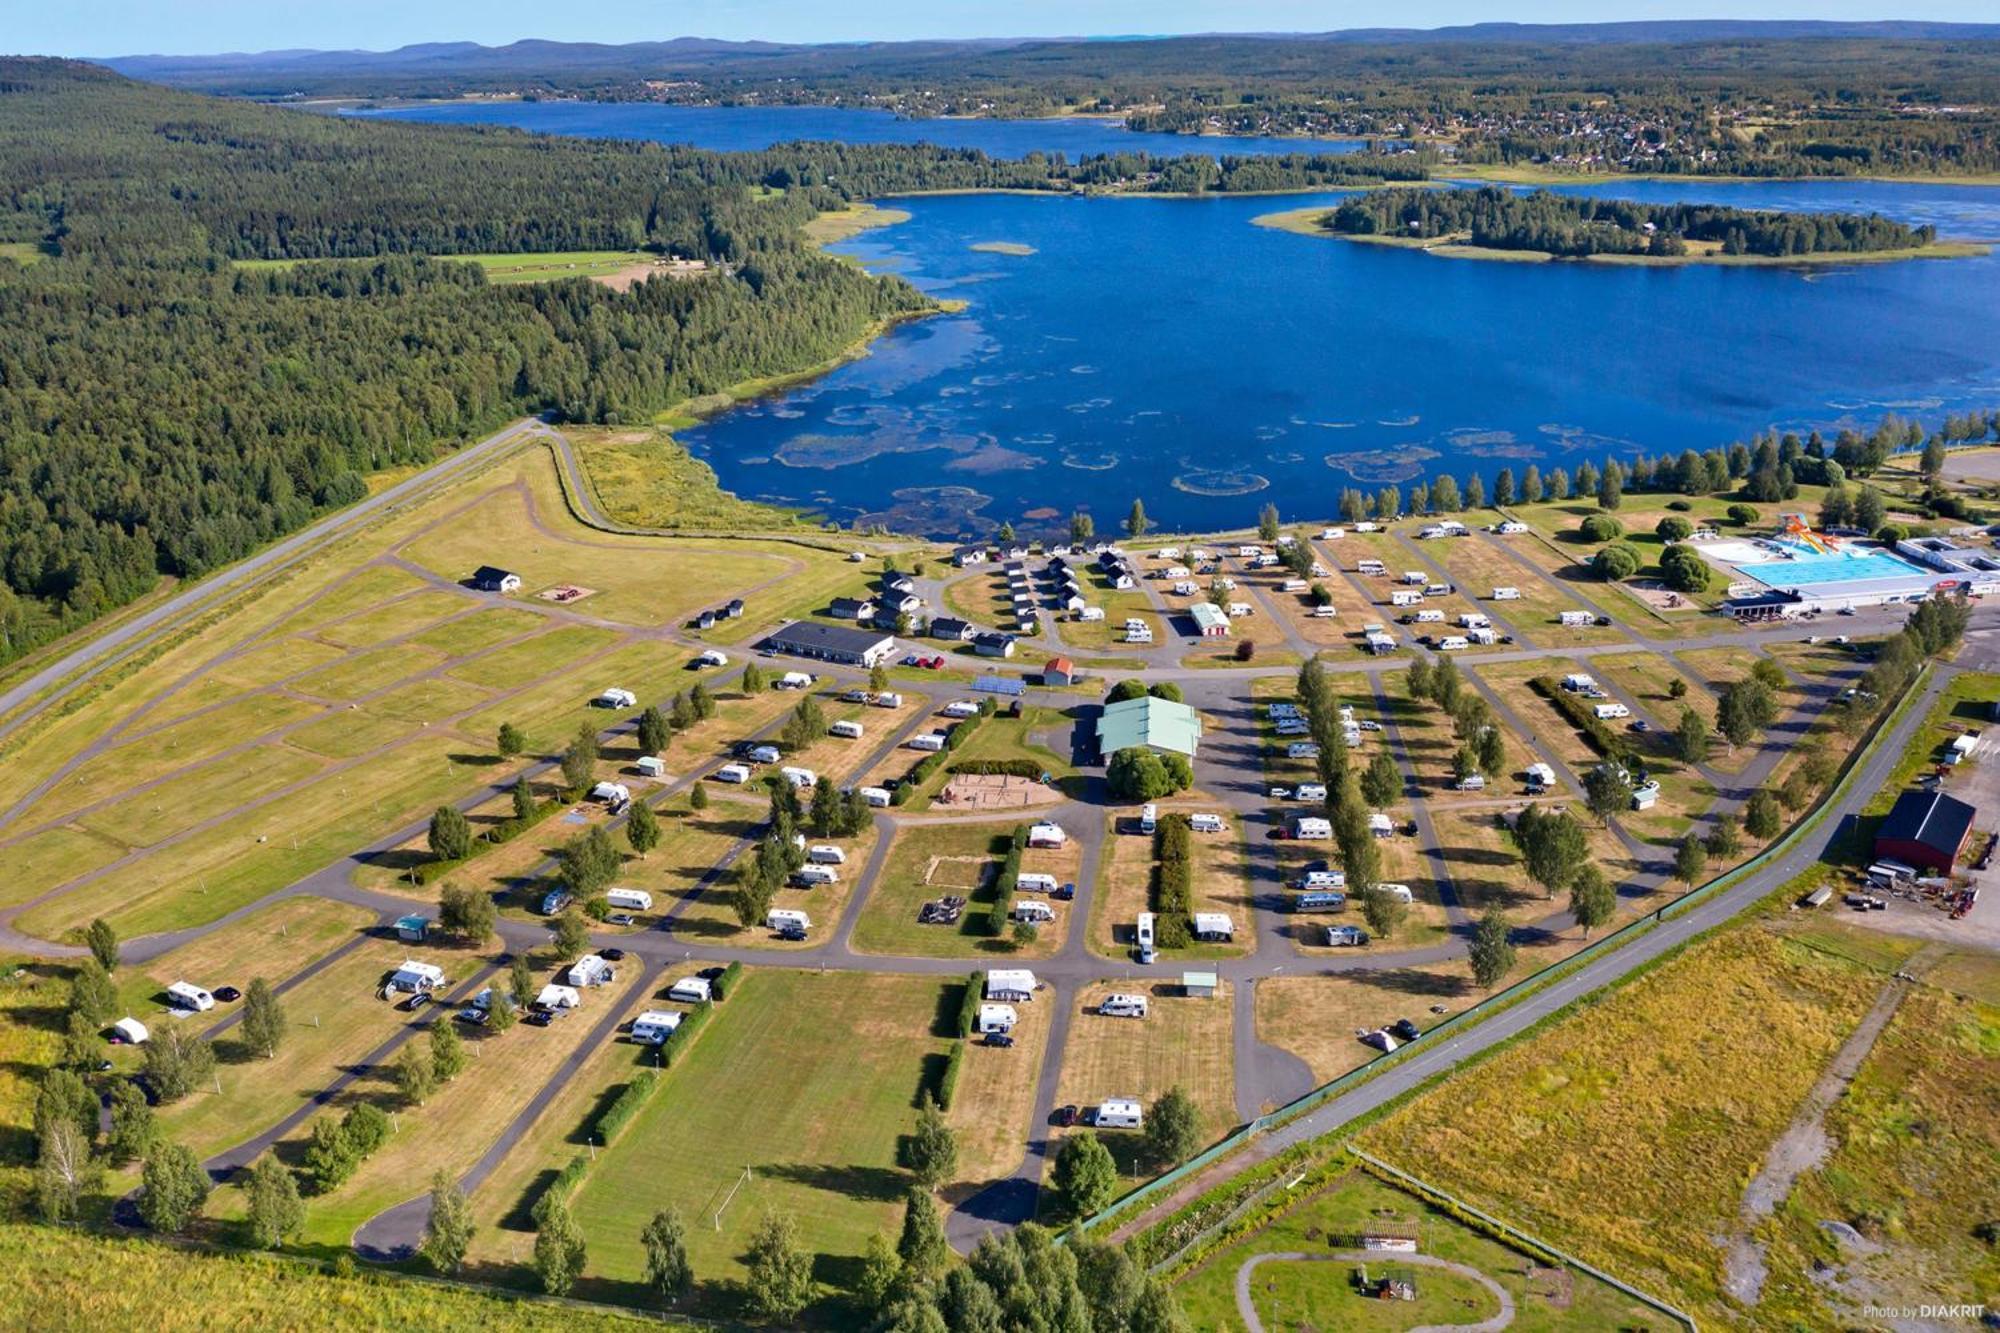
(805,1079)
(1182,1042)
(275,943)
(933,861)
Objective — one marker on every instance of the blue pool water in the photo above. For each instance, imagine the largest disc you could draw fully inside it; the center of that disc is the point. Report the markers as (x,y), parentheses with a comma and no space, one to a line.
(1811,570)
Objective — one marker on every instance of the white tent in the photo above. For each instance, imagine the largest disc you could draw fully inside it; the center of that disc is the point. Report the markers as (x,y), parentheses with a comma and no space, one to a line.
(131,1030)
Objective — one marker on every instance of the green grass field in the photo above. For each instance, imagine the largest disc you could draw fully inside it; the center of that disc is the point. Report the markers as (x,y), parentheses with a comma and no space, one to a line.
(544,266)
(931,861)
(1320,1295)
(807,1080)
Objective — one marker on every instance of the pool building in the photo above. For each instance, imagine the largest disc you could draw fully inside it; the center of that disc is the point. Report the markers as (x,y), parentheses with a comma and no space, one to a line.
(1796,570)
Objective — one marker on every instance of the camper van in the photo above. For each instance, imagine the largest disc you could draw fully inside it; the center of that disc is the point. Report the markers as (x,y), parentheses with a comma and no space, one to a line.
(961,708)
(1323,879)
(1471,782)
(629,900)
(733,773)
(878,798)
(1034,882)
(763,754)
(826,854)
(1034,911)
(1576,619)
(1119,1005)
(1540,777)
(1311,791)
(849,731)
(997,1018)
(1320,900)
(1375,567)
(1405,597)
(795,680)
(1400,892)
(1119,1113)
(1149,818)
(691,990)
(887,699)
(1607,712)
(653,1027)
(785,920)
(616,698)
(1454,643)
(812,876)
(712,657)
(1416,578)
(1506,595)
(187,995)
(801,778)
(930,740)
(1430,617)
(1473,620)
(1144,933)
(1206,823)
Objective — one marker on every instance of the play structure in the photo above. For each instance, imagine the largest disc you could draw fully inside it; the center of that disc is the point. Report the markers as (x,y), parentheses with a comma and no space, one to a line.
(1799,532)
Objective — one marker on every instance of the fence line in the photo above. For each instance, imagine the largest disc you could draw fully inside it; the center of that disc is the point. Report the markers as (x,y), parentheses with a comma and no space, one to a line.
(1425,1189)
(1521,989)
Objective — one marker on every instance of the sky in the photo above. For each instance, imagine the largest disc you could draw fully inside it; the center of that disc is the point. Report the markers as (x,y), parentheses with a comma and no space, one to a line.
(203,27)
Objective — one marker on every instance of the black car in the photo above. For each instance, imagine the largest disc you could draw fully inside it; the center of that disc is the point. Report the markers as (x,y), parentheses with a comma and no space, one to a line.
(227,994)
(792,933)
(417,1001)
(538,1018)
(1405,1030)
(612,955)
(1063,1116)
(998,1039)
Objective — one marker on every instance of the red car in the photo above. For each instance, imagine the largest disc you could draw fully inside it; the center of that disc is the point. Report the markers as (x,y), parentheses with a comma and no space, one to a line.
(933,663)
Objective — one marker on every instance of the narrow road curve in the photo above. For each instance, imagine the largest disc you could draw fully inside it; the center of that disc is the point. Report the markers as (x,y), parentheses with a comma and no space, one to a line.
(1246,1308)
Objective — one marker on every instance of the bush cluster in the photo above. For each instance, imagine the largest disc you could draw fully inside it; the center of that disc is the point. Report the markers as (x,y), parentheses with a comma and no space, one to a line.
(499,835)
(1581,716)
(997,915)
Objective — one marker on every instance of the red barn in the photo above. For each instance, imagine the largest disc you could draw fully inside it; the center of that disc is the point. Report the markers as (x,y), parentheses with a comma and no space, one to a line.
(1925,829)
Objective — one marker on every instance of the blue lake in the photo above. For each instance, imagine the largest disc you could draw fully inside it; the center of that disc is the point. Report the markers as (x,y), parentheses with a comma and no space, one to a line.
(1170,350)
(750,128)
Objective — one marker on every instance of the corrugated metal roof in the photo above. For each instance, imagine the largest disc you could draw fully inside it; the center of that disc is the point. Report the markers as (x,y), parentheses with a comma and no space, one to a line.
(1159,723)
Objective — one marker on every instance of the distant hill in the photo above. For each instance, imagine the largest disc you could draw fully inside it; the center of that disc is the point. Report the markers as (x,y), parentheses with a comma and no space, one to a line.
(447,68)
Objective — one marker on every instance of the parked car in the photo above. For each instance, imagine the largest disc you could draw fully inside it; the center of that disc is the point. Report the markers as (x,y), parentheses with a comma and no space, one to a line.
(1639,724)
(910,660)
(1063,1116)
(227,994)
(997,1039)
(933,663)
(1063,891)
(1405,1030)
(1281,793)
(417,1001)
(612,955)
(793,933)
(472,1014)
(620,919)
(538,1018)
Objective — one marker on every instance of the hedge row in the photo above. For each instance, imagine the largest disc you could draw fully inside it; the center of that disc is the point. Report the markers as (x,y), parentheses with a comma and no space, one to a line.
(619,1114)
(968,1008)
(997,915)
(499,835)
(561,1187)
(1173,883)
(921,771)
(1008,768)
(670,1049)
(722,985)
(1583,717)
(948,1084)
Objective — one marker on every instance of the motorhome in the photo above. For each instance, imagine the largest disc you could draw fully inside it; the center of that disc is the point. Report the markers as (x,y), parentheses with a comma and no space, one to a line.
(1118,1113)
(1374,567)
(795,680)
(961,708)
(848,731)
(653,1027)
(1540,777)
(1506,595)
(629,900)
(1405,598)
(1149,818)
(783,919)
(1120,1004)
(1034,911)
(763,754)
(1320,900)
(1576,619)
(1143,936)
(887,699)
(616,698)
(1206,823)
(1609,712)
(1453,643)
(1430,616)
(187,995)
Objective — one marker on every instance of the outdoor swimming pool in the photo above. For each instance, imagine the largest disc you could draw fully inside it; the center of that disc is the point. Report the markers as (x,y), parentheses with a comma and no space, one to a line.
(1808,570)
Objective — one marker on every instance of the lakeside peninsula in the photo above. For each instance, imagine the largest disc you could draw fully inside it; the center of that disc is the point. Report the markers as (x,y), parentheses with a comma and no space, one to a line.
(1498,224)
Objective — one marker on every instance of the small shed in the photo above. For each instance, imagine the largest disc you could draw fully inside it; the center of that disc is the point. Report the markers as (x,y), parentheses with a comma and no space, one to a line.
(1059,671)
(1198,985)
(489,578)
(412,928)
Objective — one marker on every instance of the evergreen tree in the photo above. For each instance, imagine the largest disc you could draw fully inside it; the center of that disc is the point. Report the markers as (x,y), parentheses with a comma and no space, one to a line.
(451,834)
(923,1252)
(102,942)
(1173,1128)
(654,731)
(933,1149)
(132,1127)
(511,742)
(91,993)
(1084,1176)
(572,936)
(1135,522)
(1267,523)
(1690,860)
(416,1076)
(448,1055)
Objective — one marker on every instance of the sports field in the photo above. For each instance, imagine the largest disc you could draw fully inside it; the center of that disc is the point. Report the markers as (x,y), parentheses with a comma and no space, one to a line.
(803,1080)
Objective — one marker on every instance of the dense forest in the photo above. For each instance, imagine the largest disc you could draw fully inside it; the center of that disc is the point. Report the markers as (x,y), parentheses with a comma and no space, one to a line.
(164,411)
(1572,226)
(1754,99)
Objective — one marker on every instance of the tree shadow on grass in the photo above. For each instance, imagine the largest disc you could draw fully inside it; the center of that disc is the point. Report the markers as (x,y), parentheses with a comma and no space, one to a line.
(876,1184)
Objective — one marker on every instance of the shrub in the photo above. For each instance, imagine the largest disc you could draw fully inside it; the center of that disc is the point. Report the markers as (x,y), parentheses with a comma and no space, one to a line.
(723,985)
(1012,768)
(1679,506)
(1684,570)
(1619,560)
(968,1008)
(1580,715)
(560,1187)
(619,1114)
(1600,528)
(1673,528)
(1743,515)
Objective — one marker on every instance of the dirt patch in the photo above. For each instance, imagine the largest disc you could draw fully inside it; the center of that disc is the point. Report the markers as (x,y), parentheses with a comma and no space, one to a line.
(957,872)
(563,594)
(995,791)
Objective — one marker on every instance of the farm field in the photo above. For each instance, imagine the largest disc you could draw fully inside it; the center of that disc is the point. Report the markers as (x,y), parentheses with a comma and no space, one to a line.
(1665,1050)
(1320,1295)
(812,1109)
(1182,1042)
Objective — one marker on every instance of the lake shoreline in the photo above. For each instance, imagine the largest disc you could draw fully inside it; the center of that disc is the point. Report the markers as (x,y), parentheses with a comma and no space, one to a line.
(1303,222)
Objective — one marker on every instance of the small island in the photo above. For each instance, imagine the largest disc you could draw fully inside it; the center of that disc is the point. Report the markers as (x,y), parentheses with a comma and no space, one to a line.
(1493,223)
(1003,248)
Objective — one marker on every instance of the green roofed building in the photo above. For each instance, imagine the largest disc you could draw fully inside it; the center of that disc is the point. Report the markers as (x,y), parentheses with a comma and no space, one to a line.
(1157,724)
